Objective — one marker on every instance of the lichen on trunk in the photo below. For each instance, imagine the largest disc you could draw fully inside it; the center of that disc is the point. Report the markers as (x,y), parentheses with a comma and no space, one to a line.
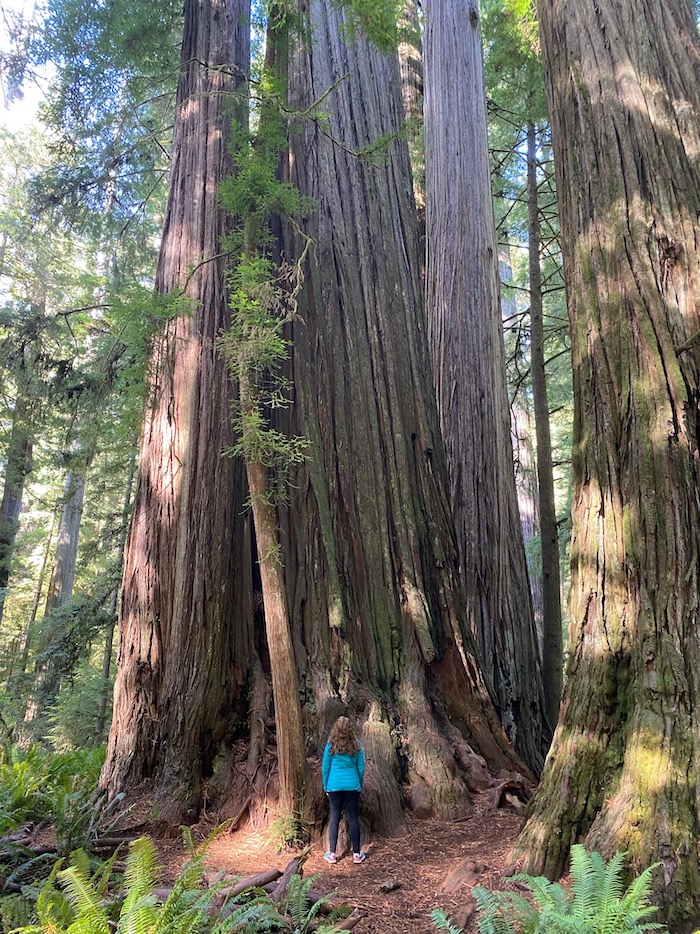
(624,95)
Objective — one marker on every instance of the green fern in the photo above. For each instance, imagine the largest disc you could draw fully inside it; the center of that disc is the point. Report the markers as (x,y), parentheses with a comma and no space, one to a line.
(500,915)
(139,874)
(443,923)
(597,902)
(90,913)
(80,904)
(302,914)
(14,910)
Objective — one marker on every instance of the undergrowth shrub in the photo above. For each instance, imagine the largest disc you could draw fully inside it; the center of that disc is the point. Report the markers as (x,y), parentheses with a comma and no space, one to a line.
(596,902)
(84,899)
(52,789)
(41,786)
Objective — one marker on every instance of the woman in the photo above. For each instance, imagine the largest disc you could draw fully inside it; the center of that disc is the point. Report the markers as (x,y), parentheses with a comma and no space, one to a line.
(343,773)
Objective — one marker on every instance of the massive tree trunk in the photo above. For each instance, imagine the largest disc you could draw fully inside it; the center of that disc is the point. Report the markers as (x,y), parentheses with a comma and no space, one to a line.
(623,82)
(185,643)
(466,344)
(254,375)
(18,463)
(552,637)
(380,619)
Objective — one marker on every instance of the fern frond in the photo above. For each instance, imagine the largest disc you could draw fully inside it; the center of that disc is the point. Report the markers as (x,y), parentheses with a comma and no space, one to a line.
(587,877)
(553,921)
(139,877)
(543,891)
(188,839)
(597,902)
(187,902)
(442,922)
(202,848)
(103,875)
(183,914)
(296,901)
(504,912)
(52,907)
(632,910)
(84,900)
(140,916)
(259,915)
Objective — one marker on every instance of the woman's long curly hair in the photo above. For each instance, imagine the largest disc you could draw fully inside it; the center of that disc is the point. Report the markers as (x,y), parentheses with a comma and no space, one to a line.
(342,738)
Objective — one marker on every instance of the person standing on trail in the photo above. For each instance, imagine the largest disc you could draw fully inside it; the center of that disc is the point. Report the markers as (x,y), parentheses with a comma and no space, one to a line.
(343,774)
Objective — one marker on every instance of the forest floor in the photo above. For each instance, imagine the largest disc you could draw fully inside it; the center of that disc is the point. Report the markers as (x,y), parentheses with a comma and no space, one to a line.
(433,865)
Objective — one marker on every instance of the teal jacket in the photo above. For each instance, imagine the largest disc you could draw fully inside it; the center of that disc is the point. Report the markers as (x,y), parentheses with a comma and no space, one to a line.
(342,772)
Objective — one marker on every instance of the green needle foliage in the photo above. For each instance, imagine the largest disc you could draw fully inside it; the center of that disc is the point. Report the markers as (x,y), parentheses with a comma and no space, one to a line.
(597,902)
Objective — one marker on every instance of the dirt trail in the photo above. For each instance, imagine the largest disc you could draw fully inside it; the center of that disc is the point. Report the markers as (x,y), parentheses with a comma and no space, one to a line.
(420,862)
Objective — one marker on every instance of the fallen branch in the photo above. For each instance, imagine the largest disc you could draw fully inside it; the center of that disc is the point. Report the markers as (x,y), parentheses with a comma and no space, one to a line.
(251,882)
(349,923)
(292,869)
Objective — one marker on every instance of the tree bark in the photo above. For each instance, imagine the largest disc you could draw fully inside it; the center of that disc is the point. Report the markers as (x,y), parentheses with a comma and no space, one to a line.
(379,616)
(411,65)
(186,615)
(291,754)
(18,463)
(552,637)
(466,345)
(60,589)
(66,555)
(623,83)
(521,433)
(289,731)
(113,604)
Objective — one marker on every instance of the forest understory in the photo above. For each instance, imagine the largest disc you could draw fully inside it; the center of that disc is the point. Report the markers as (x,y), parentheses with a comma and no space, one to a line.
(432,865)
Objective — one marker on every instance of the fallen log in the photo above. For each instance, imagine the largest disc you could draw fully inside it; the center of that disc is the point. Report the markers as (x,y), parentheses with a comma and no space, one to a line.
(251,882)
(39,850)
(111,843)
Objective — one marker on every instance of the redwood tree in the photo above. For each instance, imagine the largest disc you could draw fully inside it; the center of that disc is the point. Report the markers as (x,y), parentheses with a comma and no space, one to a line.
(623,82)
(378,616)
(18,463)
(380,619)
(466,344)
(187,609)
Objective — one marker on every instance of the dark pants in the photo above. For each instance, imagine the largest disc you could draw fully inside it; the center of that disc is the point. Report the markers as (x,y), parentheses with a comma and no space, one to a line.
(348,800)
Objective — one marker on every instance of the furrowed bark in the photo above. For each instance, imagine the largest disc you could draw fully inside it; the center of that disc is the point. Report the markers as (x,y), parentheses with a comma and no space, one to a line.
(186,615)
(466,345)
(623,84)
(380,620)
(552,638)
